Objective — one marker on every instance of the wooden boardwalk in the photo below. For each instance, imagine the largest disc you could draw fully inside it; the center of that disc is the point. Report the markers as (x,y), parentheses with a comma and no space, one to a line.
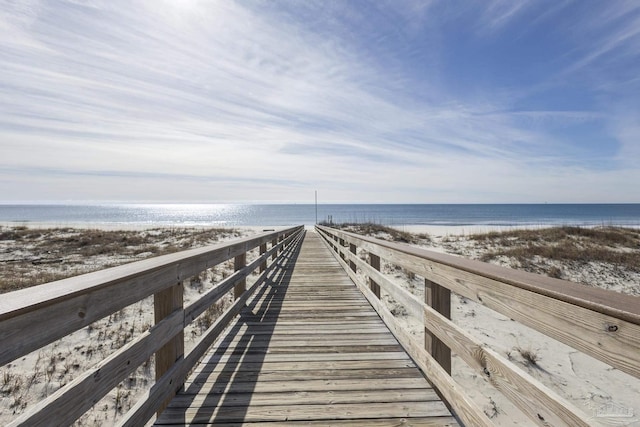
(307,350)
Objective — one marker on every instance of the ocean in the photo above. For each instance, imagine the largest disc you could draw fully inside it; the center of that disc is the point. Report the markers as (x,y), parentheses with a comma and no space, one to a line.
(228,215)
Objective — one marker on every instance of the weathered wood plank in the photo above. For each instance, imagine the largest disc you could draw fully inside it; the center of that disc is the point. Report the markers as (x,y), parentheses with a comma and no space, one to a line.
(214,358)
(598,322)
(464,407)
(327,374)
(374,261)
(541,404)
(301,366)
(239,263)
(318,349)
(380,395)
(165,303)
(71,304)
(68,403)
(380,422)
(213,295)
(439,298)
(308,349)
(289,386)
(613,341)
(143,410)
(614,304)
(328,412)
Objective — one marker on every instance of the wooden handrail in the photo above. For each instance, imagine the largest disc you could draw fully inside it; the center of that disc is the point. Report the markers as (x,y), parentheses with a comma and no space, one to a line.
(601,323)
(614,304)
(68,305)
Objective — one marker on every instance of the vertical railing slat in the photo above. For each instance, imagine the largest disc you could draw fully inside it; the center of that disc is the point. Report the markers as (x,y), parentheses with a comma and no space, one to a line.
(166,302)
(374,261)
(274,243)
(353,250)
(439,298)
(239,263)
(263,249)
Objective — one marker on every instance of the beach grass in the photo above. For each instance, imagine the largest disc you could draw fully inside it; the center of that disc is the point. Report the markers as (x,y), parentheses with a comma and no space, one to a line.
(604,257)
(32,256)
(614,245)
(379,231)
(552,251)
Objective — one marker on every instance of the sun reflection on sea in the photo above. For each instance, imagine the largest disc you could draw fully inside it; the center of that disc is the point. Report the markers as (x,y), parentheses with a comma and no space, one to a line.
(189,214)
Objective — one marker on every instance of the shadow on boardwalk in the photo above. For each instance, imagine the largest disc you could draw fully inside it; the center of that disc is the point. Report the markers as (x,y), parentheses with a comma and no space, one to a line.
(230,373)
(308,350)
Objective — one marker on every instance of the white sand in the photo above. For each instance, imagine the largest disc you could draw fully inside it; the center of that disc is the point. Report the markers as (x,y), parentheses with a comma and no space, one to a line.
(465,230)
(134,226)
(587,383)
(594,387)
(37,375)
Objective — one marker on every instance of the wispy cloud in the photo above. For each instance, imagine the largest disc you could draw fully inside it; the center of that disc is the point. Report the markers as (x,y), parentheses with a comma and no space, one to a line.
(500,13)
(254,100)
(616,35)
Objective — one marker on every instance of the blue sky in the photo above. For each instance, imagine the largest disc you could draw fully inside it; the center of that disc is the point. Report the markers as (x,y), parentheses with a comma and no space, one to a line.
(365,101)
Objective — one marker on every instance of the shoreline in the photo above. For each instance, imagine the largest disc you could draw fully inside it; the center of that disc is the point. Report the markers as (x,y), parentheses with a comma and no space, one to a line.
(454,219)
(435,230)
(467,230)
(130,226)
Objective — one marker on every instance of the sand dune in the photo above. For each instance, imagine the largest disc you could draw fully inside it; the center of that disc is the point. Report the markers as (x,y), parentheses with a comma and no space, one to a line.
(589,384)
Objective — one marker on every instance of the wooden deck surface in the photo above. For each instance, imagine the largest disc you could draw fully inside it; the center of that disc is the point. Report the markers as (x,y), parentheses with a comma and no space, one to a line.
(308,350)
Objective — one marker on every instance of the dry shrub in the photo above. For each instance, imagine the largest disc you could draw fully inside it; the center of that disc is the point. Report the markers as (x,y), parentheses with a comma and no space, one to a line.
(381,232)
(46,255)
(555,272)
(529,355)
(18,233)
(211,314)
(614,245)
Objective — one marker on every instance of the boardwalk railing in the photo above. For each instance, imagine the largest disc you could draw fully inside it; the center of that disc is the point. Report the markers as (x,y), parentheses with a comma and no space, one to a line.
(34,317)
(603,324)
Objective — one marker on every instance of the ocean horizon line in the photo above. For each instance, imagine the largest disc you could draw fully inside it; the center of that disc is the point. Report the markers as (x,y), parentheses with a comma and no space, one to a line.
(275,203)
(308,214)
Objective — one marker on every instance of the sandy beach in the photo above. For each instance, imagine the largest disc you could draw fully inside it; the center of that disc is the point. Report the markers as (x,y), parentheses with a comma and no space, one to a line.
(39,254)
(582,380)
(44,253)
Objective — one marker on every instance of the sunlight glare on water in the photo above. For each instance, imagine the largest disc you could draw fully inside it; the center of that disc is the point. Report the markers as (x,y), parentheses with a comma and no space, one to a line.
(232,215)
(189,214)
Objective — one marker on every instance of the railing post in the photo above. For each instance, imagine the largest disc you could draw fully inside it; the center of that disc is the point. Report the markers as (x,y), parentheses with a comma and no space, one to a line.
(352,249)
(239,263)
(374,261)
(439,298)
(274,243)
(164,303)
(263,265)
(342,246)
